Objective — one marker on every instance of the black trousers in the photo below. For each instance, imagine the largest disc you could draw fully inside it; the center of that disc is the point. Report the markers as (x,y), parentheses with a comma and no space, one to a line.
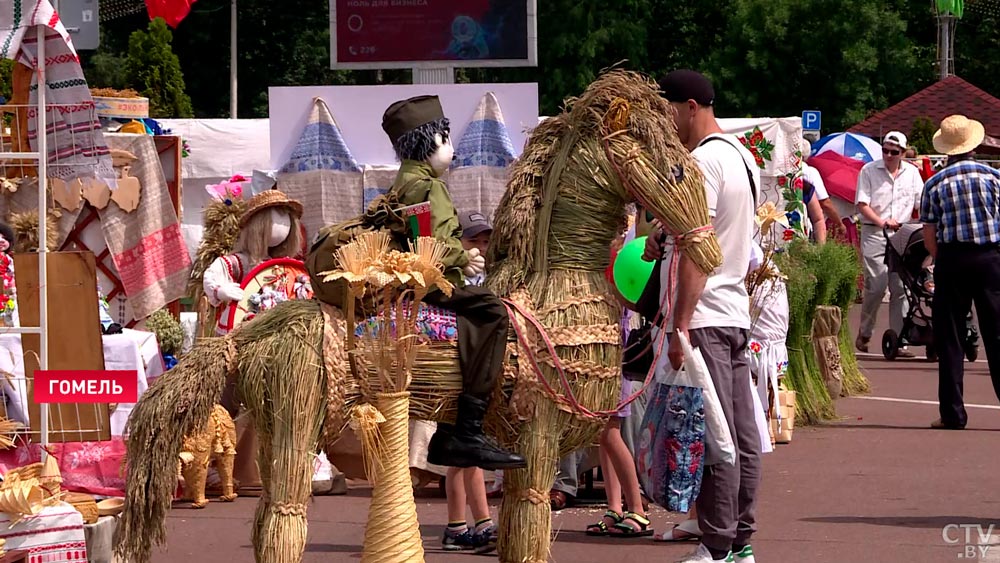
(482,336)
(964,274)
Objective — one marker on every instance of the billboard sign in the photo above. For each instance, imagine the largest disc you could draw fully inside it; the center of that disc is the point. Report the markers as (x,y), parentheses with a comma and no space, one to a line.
(369,34)
(81,19)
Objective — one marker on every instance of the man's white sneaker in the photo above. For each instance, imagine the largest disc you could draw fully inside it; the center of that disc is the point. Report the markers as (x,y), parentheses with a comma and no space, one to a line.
(702,555)
(745,555)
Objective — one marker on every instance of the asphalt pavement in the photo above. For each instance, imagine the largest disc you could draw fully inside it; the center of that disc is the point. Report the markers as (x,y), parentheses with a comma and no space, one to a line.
(876,485)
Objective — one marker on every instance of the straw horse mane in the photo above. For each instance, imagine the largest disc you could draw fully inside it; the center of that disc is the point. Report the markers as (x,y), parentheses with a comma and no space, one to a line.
(525,211)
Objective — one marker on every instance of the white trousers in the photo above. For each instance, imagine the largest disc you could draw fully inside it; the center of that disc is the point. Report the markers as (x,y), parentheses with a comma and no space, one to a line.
(877,278)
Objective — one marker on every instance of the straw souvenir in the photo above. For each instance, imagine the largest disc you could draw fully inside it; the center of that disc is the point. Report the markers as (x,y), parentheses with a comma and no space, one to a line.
(303,373)
(21,497)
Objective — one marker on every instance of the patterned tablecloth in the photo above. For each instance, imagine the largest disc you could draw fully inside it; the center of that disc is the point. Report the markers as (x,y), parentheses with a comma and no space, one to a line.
(55,534)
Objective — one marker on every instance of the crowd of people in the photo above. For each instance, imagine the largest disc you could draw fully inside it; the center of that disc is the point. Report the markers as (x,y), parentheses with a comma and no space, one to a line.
(742,337)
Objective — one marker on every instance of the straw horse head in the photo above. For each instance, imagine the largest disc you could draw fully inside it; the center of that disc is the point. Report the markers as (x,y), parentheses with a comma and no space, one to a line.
(565,202)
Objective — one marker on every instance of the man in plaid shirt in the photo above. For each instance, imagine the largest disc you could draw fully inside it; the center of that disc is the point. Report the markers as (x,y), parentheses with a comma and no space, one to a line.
(960,210)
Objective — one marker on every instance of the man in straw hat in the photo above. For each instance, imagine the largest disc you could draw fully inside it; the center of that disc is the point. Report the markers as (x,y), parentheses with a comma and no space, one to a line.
(960,210)
(713,312)
(420,135)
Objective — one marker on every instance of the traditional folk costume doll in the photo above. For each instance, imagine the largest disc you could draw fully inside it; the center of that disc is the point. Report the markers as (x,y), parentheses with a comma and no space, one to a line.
(419,133)
(269,228)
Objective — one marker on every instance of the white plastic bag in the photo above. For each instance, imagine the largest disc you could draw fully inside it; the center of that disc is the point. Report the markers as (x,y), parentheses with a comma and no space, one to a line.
(719,447)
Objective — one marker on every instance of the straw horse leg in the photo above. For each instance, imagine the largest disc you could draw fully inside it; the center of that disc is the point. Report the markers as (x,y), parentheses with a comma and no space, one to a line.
(289,435)
(264,502)
(525,514)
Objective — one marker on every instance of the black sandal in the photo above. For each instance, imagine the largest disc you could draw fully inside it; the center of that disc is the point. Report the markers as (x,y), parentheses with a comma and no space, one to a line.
(601,528)
(624,530)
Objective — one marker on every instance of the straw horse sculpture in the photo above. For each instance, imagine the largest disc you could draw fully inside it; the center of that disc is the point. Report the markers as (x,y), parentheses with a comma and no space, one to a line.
(565,202)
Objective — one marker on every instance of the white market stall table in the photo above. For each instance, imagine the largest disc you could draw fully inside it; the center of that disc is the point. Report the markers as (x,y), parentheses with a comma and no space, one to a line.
(100,539)
(133,350)
(54,534)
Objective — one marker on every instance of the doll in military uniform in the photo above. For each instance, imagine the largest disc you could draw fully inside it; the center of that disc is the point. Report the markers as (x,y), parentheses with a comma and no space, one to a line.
(419,132)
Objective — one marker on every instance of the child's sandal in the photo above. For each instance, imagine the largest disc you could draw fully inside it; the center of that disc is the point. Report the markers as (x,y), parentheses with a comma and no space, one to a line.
(601,528)
(625,530)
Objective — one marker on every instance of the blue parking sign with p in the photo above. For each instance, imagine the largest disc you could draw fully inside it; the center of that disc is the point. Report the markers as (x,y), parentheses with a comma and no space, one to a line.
(811,120)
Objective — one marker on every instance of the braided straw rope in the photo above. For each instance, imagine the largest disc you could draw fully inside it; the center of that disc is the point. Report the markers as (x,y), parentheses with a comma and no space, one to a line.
(524,397)
(289,508)
(581,367)
(230,354)
(392,534)
(533,496)
(580,335)
(336,366)
(572,302)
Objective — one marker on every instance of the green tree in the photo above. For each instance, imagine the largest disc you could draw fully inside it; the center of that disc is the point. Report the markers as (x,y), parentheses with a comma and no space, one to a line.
(977,46)
(107,70)
(921,136)
(846,66)
(7,78)
(154,71)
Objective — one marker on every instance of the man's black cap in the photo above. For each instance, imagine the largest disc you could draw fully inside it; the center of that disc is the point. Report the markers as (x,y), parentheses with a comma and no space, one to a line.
(684,85)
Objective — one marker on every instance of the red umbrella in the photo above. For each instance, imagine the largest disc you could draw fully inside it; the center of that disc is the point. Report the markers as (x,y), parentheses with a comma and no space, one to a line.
(172,11)
(840,173)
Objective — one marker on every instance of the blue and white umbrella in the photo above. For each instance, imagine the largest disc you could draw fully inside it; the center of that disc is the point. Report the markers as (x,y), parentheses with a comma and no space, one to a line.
(850,145)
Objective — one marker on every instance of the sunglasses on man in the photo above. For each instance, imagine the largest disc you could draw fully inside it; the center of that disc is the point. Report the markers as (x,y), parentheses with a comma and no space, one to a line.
(891,152)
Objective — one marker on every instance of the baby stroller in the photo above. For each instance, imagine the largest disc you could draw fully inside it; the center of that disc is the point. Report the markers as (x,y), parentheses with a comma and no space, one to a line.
(906,255)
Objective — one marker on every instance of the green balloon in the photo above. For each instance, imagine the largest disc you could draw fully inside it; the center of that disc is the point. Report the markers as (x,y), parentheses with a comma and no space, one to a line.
(631,272)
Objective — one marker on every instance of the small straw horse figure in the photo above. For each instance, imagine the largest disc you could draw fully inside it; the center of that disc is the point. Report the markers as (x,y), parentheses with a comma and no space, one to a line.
(565,202)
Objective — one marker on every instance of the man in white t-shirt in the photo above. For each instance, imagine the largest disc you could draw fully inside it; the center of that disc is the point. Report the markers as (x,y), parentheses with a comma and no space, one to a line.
(714,313)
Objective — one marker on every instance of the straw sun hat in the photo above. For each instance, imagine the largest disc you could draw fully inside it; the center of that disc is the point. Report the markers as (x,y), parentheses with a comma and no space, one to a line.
(958,135)
(267,199)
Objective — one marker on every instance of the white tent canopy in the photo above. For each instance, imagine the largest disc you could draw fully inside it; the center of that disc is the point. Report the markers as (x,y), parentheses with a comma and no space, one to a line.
(219,148)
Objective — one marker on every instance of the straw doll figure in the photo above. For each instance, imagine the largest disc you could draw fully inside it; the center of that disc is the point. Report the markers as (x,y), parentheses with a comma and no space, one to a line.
(269,228)
(420,136)
(216,441)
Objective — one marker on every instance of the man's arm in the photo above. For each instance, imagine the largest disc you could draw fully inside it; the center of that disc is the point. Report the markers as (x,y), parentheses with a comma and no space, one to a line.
(690,284)
(929,216)
(817,219)
(930,239)
(863,197)
(830,210)
(868,213)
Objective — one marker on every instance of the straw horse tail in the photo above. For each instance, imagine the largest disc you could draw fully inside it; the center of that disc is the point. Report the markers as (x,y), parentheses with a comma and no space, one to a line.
(179,402)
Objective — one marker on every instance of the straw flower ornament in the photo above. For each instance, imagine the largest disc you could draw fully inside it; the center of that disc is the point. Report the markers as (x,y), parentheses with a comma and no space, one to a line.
(369,266)
(768,214)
